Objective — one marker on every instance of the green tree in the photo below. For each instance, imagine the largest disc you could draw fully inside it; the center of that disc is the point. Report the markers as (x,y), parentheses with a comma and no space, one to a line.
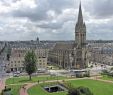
(30,63)
(79,91)
(112,69)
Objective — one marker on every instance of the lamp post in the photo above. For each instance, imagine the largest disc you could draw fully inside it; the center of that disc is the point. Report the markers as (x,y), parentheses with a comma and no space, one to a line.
(57,77)
(95,64)
(96,70)
(13,76)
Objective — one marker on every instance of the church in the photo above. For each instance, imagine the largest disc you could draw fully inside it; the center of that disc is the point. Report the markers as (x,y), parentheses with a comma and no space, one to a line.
(71,55)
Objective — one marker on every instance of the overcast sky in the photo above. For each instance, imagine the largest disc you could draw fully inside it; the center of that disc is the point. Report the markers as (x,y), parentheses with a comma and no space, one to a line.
(54,19)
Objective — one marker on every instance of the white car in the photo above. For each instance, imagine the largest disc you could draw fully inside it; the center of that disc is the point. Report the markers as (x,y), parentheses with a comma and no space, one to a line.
(15,75)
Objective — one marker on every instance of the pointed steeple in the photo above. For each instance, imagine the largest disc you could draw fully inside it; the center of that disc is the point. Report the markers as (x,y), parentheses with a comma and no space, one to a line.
(80,17)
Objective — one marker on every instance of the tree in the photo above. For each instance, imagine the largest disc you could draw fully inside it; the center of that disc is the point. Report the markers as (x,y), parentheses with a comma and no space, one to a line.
(30,63)
(112,69)
(80,91)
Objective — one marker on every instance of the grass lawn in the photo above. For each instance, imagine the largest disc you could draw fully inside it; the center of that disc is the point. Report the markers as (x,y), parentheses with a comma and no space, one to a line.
(105,77)
(16,80)
(38,90)
(97,87)
(15,89)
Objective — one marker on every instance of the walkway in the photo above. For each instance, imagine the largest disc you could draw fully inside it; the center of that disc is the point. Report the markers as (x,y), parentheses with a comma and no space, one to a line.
(108,81)
(2,84)
(23,90)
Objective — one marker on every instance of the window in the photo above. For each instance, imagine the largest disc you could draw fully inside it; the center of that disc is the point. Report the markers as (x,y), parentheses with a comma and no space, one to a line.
(19,55)
(78,59)
(40,64)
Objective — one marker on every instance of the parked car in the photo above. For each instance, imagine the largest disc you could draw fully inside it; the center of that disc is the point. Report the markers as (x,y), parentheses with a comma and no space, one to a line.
(15,75)
(7,71)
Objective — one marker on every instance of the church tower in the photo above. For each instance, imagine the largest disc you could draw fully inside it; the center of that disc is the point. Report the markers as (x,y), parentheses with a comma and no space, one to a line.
(80,41)
(80,30)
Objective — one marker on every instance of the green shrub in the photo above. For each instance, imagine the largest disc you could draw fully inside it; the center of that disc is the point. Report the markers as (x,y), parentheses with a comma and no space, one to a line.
(105,72)
(79,91)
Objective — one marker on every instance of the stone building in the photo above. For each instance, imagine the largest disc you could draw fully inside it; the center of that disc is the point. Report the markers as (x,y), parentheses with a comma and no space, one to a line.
(71,55)
(16,60)
(101,55)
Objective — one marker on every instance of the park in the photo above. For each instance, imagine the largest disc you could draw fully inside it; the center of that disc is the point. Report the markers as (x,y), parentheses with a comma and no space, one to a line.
(100,86)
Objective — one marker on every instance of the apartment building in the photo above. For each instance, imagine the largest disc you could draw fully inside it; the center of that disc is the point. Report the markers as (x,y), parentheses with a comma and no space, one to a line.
(16,60)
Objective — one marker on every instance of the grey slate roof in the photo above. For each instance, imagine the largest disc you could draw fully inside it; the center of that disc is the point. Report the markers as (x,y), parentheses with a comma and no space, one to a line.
(64,46)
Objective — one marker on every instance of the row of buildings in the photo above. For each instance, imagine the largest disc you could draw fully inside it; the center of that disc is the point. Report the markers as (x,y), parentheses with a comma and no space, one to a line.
(16,59)
(102,53)
(12,56)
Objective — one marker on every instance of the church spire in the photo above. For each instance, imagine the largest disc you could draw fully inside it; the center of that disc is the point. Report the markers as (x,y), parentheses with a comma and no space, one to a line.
(80,16)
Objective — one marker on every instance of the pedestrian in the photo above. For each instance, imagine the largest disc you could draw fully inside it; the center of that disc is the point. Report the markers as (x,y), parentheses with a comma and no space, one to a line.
(5,87)
(38,81)
(24,88)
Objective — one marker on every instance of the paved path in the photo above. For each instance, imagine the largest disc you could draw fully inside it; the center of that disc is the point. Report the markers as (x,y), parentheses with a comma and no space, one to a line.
(2,84)
(23,90)
(108,81)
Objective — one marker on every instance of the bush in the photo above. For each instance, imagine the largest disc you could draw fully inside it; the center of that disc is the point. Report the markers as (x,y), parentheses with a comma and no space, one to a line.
(79,91)
(112,69)
(105,72)
(87,74)
(79,75)
(7,89)
(110,74)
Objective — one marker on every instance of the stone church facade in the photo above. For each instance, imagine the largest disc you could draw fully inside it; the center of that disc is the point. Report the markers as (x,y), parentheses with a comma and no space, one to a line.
(71,55)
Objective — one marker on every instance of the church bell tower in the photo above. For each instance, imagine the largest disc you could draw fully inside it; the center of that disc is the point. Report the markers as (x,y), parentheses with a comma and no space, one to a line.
(80,41)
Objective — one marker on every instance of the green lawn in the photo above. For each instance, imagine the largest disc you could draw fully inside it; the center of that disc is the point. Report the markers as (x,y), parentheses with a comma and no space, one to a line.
(16,80)
(15,89)
(38,90)
(105,77)
(97,87)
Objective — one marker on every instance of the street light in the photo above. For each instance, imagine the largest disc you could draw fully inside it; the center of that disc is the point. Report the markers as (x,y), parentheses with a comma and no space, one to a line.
(13,76)
(57,77)
(96,70)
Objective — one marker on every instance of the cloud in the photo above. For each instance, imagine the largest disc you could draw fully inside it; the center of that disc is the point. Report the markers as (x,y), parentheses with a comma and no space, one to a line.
(39,12)
(99,9)
(54,19)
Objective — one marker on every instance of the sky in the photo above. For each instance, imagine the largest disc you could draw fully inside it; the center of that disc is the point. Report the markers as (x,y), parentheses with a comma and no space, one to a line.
(54,19)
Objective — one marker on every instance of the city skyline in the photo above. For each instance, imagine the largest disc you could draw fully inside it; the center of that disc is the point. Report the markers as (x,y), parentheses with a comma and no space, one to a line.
(54,20)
